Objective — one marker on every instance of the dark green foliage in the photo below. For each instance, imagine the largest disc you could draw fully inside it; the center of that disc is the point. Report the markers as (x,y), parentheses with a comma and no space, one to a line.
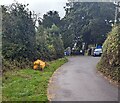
(49,43)
(15,64)
(89,21)
(52,17)
(23,43)
(48,38)
(110,60)
(18,33)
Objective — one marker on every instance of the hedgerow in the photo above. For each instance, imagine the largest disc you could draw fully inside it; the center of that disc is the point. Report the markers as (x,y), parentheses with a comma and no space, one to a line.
(109,64)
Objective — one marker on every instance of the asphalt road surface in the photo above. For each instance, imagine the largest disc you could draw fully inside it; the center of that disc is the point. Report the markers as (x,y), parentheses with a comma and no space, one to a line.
(78,80)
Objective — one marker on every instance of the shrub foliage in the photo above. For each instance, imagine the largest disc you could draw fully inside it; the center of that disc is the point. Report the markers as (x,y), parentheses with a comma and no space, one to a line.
(110,60)
(22,42)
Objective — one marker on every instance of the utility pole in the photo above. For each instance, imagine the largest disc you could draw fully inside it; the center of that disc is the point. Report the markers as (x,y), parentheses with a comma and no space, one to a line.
(117,11)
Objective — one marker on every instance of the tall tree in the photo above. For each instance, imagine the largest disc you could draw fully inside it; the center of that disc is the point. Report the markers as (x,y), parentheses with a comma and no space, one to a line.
(50,18)
(49,43)
(89,21)
(18,32)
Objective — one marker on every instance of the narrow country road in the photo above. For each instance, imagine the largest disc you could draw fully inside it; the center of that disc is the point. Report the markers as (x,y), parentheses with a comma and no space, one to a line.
(78,80)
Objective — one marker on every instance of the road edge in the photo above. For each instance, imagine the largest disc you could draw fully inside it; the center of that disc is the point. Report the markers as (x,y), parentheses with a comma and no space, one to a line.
(108,79)
(49,96)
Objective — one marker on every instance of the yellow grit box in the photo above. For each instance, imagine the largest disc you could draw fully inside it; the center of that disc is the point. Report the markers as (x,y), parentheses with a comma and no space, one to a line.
(39,63)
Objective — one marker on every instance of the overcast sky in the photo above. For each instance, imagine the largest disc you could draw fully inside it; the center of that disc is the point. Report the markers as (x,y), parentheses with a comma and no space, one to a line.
(41,6)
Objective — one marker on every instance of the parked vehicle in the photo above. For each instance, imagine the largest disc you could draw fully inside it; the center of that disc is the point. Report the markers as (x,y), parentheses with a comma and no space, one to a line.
(97,52)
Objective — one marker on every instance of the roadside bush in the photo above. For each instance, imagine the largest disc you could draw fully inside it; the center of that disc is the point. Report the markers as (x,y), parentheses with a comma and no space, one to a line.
(48,43)
(109,64)
(18,37)
(22,43)
(14,64)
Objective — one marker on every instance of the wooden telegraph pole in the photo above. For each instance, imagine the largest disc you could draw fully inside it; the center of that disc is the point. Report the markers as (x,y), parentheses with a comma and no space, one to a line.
(117,12)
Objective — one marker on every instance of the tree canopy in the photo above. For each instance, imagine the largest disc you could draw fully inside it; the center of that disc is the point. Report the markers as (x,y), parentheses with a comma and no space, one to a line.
(50,18)
(23,42)
(88,21)
(18,32)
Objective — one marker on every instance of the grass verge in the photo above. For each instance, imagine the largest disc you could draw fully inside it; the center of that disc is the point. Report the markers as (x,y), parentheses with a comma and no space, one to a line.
(28,84)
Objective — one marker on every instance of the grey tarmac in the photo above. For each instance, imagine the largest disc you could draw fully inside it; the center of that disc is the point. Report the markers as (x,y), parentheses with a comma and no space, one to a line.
(78,80)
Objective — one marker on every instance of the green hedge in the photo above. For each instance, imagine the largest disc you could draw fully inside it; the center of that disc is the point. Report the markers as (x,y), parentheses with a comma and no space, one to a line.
(109,64)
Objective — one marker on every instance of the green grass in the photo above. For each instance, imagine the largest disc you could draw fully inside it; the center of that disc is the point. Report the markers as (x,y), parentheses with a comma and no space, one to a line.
(28,84)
